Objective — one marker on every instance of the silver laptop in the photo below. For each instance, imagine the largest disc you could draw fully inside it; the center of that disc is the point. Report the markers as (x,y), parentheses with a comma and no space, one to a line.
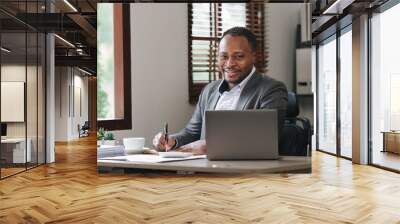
(242,135)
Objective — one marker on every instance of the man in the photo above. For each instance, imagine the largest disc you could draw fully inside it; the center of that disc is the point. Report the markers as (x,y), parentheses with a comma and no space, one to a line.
(242,88)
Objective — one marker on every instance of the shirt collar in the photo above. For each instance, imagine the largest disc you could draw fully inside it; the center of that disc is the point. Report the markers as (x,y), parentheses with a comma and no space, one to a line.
(224,85)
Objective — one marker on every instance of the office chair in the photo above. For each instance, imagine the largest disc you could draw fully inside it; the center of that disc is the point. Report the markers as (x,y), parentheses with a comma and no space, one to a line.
(84,130)
(296,133)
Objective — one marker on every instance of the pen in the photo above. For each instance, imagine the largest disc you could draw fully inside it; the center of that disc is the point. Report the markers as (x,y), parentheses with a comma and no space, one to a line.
(166,134)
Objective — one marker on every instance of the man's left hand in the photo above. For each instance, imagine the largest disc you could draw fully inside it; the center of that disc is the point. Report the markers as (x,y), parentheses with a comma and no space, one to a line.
(197,148)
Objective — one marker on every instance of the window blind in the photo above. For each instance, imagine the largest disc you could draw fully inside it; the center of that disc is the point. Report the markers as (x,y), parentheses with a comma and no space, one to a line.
(207,22)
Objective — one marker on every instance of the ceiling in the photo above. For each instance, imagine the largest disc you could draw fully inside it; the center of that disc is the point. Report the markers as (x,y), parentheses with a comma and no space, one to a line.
(328,16)
(74,22)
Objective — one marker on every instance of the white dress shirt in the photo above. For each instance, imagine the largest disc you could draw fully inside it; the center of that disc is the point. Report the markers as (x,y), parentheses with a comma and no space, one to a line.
(229,98)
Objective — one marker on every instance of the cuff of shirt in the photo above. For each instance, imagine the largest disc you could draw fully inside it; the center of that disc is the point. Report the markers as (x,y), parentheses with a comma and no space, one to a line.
(176,143)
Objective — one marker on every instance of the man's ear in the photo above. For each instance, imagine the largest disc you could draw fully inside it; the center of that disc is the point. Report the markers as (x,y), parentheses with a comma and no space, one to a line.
(254,56)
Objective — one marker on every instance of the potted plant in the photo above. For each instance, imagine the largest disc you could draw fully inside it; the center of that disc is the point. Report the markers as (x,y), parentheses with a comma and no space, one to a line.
(104,137)
(109,139)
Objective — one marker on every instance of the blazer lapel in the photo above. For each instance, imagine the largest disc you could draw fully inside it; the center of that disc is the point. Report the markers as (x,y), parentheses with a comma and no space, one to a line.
(213,100)
(248,91)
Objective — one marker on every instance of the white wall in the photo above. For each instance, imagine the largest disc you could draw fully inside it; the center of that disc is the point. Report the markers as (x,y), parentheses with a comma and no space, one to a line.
(159,69)
(11,73)
(17,72)
(66,121)
(282,20)
(61,104)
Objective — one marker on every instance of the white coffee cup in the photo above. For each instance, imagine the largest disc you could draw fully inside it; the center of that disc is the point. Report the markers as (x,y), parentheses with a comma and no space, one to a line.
(133,145)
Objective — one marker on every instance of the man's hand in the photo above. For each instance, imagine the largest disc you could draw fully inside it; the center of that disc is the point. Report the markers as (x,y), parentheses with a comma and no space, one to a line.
(160,142)
(197,148)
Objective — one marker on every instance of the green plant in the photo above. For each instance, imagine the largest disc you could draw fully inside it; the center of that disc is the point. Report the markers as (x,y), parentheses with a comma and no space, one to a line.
(101,134)
(109,136)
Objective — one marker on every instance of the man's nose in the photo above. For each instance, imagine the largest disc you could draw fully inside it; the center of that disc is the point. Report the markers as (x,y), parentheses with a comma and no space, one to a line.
(230,62)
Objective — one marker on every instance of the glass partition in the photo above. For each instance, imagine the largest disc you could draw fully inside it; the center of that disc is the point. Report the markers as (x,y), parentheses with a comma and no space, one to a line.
(13,90)
(31,97)
(385,88)
(22,88)
(327,95)
(41,96)
(346,93)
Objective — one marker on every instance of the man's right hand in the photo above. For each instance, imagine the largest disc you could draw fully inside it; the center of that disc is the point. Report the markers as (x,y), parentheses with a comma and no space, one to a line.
(160,142)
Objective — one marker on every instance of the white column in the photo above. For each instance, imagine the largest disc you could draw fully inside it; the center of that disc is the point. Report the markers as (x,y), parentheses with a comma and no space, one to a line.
(360,90)
(50,101)
(50,93)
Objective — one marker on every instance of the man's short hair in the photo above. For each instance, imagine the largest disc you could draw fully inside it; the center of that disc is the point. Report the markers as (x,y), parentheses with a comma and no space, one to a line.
(242,31)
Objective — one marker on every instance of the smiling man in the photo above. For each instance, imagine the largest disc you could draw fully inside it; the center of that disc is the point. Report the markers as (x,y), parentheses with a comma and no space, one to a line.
(242,88)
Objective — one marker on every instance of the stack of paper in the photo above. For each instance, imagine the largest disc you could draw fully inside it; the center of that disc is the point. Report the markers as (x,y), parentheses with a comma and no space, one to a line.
(144,158)
(110,151)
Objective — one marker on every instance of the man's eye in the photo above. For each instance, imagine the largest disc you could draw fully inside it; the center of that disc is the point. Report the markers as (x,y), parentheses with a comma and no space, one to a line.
(239,56)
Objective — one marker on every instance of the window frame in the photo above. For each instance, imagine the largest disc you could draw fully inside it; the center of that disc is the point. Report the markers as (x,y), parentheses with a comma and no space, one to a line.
(343,31)
(126,122)
(378,10)
(333,37)
(332,33)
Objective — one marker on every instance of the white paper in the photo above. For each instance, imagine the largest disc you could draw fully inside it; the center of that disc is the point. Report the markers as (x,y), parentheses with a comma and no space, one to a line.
(145,158)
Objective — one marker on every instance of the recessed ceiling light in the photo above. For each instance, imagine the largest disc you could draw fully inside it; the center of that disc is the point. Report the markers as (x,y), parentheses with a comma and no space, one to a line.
(84,71)
(337,7)
(70,5)
(64,40)
(5,50)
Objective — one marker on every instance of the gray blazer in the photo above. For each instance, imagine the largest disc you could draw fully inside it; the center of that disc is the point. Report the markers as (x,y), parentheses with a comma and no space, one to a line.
(260,92)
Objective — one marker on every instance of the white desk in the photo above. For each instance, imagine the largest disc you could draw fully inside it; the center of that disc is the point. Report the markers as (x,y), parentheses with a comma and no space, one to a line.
(19,149)
(286,164)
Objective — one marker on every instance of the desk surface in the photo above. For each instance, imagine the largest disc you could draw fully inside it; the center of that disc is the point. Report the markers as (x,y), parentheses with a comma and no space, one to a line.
(285,164)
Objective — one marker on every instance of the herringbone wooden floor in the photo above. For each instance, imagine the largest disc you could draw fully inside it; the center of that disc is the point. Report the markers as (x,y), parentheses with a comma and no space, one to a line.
(71,191)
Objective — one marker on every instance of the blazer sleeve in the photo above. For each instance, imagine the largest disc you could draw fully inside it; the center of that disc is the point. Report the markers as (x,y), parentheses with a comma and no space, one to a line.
(276,97)
(192,131)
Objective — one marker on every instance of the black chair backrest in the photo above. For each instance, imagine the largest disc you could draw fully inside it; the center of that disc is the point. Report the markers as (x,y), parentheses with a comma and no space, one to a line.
(296,133)
(292,106)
